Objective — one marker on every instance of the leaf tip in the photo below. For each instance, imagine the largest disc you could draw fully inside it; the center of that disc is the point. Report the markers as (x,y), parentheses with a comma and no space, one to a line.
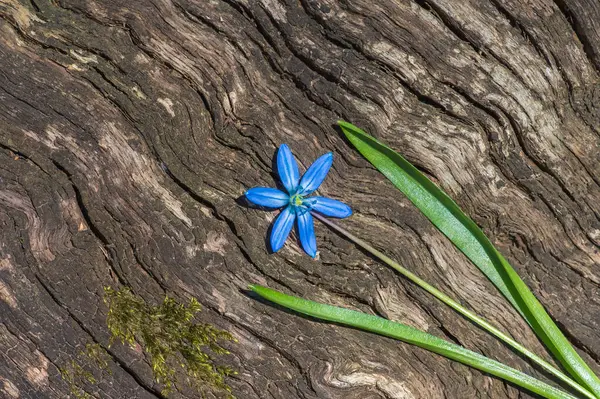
(343,124)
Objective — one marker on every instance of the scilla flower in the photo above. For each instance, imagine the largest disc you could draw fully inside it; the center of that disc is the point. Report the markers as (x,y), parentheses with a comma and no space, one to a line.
(295,202)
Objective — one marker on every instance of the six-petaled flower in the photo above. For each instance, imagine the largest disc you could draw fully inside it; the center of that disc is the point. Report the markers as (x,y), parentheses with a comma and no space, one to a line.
(296,204)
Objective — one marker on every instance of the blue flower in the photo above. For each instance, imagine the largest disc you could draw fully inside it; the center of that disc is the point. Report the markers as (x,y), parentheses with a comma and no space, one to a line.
(296,204)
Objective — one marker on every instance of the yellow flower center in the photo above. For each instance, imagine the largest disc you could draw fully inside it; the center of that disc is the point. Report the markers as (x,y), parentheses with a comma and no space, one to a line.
(296,200)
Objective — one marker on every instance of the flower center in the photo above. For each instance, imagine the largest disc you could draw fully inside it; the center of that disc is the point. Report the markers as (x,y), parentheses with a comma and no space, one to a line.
(296,200)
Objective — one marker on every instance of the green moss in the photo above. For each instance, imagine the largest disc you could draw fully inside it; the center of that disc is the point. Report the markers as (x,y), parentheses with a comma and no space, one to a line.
(98,355)
(171,338)
(75,375)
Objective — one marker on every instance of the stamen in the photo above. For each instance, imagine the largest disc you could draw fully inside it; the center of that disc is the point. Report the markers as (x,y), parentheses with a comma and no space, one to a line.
(296,200)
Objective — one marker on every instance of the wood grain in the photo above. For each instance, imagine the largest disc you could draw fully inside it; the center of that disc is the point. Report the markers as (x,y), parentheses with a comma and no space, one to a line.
(130,130)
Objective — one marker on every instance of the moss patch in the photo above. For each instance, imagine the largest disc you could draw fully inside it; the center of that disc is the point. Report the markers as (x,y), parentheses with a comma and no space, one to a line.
(78,375)
(171,338)
(74,375)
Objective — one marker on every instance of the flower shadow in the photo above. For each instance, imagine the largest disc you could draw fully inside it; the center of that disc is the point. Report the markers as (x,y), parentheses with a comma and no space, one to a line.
(243,201)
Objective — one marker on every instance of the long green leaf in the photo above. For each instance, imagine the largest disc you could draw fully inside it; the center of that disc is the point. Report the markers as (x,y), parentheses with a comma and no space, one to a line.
(456,306)
(443,212)
(413,336)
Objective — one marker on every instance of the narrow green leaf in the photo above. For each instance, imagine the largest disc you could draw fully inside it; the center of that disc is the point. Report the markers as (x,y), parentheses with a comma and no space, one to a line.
(469,315)
(412,336)
(443,212)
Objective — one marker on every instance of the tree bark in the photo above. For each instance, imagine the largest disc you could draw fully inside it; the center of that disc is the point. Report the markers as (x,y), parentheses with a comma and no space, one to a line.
(129,132)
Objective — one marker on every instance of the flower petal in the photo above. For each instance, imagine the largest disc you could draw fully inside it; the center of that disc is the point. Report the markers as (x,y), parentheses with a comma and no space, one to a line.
(281,228)
(287,169)
(269,197)
(329,207)
(306,231)
(315,174)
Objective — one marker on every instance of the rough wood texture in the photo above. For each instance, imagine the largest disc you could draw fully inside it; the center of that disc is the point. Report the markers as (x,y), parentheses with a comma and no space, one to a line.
(129,130)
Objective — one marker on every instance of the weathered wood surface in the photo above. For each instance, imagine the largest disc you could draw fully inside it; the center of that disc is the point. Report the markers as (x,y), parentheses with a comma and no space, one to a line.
(129,130)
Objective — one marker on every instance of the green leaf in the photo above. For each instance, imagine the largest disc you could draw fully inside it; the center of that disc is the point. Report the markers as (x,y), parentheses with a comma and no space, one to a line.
(412,336)
(443,212)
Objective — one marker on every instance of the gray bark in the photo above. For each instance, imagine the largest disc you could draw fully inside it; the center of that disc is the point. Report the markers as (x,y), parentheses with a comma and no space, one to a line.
(128,131)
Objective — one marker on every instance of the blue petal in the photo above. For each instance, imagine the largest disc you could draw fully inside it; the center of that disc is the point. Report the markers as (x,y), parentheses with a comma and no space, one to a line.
(281,228)
(269,197)
(287,169)
(329,207)
(306,231)
(315,174)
